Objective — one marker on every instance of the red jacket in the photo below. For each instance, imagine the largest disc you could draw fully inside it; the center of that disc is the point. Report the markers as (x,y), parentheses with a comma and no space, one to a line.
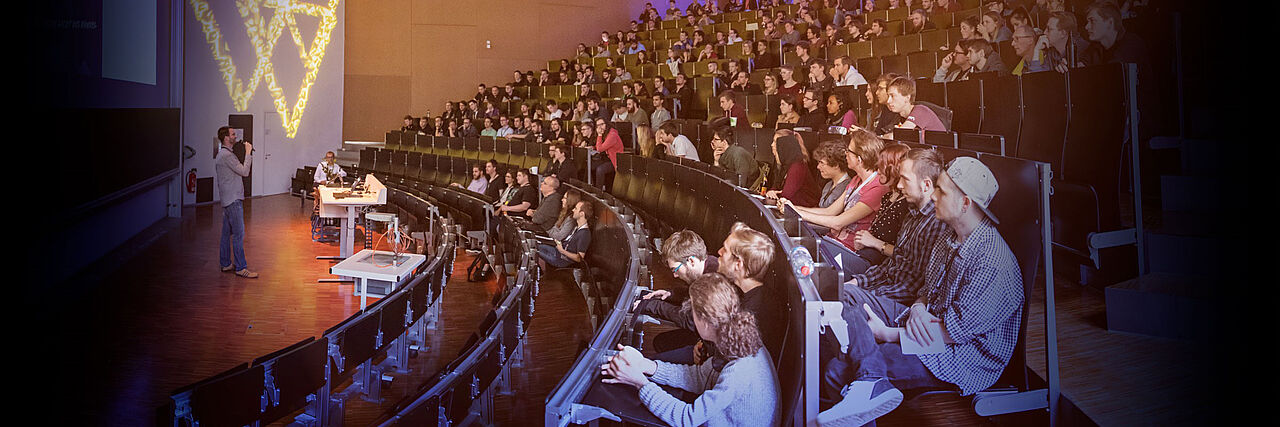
(611,144)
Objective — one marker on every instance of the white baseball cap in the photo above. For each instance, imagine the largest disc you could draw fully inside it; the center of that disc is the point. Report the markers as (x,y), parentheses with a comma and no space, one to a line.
(976,181)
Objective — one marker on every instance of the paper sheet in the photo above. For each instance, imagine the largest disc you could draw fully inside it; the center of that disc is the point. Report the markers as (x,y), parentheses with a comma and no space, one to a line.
(910,346)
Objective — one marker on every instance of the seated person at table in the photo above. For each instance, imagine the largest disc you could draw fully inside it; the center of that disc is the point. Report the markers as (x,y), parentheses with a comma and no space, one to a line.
(561,167)
(861,198)
(573,249)
(686,254)
(870,243)
(525,197)
(971,301)
(478,182)
(798,185)
(549,197)
(565,224)
(327,173)
(833,168)
(733,157)
(742,392)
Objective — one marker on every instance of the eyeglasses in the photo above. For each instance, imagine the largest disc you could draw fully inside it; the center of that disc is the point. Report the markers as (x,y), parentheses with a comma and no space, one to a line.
(680,265)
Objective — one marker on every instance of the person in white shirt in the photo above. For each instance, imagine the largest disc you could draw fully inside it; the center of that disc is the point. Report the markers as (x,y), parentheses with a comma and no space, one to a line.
(553,111)
(845,74)
(505,129)
(677,145)
(327,173)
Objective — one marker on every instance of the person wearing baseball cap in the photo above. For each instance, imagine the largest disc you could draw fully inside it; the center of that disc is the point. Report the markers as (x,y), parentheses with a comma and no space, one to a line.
(971,302)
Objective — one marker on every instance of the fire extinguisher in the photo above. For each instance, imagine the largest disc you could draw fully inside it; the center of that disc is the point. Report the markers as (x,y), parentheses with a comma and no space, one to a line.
(191,181)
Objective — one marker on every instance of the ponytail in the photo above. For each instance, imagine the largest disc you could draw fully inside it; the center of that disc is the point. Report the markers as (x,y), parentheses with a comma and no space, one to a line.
(738,336)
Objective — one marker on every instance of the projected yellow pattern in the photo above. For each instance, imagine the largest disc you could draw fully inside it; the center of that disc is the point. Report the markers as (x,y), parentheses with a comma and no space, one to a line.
(263,35)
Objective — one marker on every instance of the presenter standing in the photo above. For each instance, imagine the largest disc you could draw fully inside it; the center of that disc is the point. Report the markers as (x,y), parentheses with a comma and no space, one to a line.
(229,175)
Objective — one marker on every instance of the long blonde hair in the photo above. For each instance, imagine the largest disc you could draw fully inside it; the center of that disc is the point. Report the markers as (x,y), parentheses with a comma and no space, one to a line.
(645,141)
(714,300)
(573,197)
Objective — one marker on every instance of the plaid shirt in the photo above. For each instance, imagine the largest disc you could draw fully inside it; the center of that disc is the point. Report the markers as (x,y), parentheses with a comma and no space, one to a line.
(977,293)
(900,276)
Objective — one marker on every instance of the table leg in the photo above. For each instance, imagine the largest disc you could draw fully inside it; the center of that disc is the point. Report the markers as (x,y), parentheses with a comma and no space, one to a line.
(364,291)
(342,236)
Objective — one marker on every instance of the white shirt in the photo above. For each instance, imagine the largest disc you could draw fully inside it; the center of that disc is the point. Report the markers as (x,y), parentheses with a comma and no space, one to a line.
(556,114)
(682,147)
(504,131)
(334,170)
(852,78)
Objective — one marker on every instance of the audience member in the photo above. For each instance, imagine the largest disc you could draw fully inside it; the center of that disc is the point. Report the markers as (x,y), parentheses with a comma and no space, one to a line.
(840,111)
(525,197)
(797,184)
(983,58)
(787,111)
(608,143)
(742,392)
(993,28)
(917,22)
(813,118)
(832,167)
(410,124)
(736,115)
(565,224)
(893,208)
(573,249)
(677,145)
(955,65)
(1024,44)
(544,216)
(845,74)
(1062,44)
(819,80)
(902,100)
(660,113)
(861,197)
(971,301)
(789,84)
(734,158)
(744,259)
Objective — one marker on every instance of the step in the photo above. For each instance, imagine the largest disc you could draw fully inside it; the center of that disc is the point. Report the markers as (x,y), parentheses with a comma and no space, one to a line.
(1191,255)
(1160,305)
(1192,193)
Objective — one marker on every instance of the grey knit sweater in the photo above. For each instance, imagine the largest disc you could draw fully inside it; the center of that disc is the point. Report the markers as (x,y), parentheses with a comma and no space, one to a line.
(744,393)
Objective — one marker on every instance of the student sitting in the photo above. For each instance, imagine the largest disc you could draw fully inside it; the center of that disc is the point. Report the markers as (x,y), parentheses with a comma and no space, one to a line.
(686,255)
(743,392)
(798,185)
(572,249)
(971,302)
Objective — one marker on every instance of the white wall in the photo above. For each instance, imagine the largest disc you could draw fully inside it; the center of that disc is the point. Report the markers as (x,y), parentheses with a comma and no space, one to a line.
(206,102)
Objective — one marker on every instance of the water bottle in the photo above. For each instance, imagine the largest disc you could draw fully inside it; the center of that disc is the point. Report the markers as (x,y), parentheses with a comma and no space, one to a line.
(801,261)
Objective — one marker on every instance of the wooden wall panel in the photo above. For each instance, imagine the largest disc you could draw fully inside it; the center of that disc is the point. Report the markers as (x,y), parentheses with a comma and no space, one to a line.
(373,105)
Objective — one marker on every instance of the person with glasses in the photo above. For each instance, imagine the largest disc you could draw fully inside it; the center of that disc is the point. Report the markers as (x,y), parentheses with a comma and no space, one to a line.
(886,119)
(734,158)
(1025,42)
(789,85)
(609,144)
(686,254)
(813,117)
(955,65)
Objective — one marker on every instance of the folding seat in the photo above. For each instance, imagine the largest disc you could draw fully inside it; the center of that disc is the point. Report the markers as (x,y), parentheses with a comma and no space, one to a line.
(941,138)
(652,201)
(412,162)
(836,51)
(898,14)
(502,151)
(517,157)
(922,65)
(894,27)
(860,50)
(392,139)
(230,398)
(934,40)
(909,43)
(965,99)
(869,68)
(908,135)
(367,155)
(790,58)
(1044,119)
(883,47)
(991,144)
(398,159)
(297,373)
(486,148)
(893,64)
(406,140)
(357,343)
(427,169)
(440,145)
(639,179)
(927,90)
(461,171)
(471,148)
(383,165)
(1001,105)
(623,176)
(757,110)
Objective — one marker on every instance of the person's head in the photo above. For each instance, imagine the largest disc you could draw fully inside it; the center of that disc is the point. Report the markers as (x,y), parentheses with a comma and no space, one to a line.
(836,104)
(787,149)
(863,151)
(868,6)
(685,254)
(549,185)
(996,6)
(926,5)
(727,100)
(587,130)
(746,254)
(330,157)
(919,174)
(787,104)
(811,32)
(488,122)
(722,137)
(789,26)
(657,101)
(818,70)
(917,18)
(770,81)
(602,127)
(842,65)
(960,54)
(480,88)
(802,49)
(787,72)
(877,27)
(491,168)
(522,177)
(969,27)
(556,151)
(718,316)
(567,204)
(1102,22)
(466,122)
(991,24)
(509,178)
(902,95)
(584,212)
(964,193)
(732,67)
(659,83)
(830,159)
(504,121)
(607,74)
(1019,17)
(1024,41)
(681,79)
(890,163)
(408,120)
(227,136)
(712,66)
(811,99)
(1060,27)
(666,133)
(761,47)
(979,50)
(638,86)
(439,122)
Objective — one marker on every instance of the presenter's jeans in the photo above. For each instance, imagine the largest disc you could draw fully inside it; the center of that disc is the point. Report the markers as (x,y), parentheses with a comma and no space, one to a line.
(232,234)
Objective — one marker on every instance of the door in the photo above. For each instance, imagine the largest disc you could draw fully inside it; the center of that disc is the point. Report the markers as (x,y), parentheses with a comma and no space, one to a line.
(275,174)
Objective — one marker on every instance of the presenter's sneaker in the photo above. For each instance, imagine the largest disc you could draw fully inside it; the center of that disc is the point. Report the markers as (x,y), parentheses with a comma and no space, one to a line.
(251,275)
(228,269)
(863,402)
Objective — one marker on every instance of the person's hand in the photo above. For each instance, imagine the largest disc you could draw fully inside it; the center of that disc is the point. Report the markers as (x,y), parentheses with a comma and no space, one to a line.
(882,332)
(866,240)
(530,211)
(917,324)
(1061,67)
(700,352)
(248,148)
(772,194)
(907,124)
(948,60)
(559,245)
(1041,44)
(628,367)
(782,201)
(661,294)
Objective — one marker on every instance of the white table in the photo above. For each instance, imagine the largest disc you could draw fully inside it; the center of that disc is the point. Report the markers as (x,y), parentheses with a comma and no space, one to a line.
(346,209)
(370,265)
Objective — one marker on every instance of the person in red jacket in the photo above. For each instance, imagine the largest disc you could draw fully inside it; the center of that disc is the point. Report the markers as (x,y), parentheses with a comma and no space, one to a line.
(797,184)
(609,143)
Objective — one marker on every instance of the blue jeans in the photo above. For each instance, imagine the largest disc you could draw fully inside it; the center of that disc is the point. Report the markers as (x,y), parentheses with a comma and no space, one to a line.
(552,256)
(232,234)
(868,360)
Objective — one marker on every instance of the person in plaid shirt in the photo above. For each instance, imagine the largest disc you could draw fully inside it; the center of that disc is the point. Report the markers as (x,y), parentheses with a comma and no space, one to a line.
(972,291)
